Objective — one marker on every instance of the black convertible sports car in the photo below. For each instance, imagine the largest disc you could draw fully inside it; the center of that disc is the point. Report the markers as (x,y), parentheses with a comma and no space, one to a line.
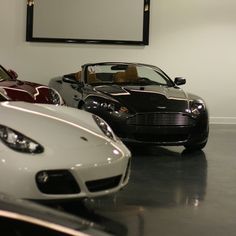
(140,102)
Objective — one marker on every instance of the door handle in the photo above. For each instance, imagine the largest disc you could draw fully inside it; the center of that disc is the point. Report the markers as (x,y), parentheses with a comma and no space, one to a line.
(59,81)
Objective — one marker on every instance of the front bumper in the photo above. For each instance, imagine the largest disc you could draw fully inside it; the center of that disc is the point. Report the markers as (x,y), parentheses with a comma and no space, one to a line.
(83,182)
(159,129)
(103,171)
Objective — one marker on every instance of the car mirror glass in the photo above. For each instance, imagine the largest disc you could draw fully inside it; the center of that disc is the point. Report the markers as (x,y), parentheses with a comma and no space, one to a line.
(180,81)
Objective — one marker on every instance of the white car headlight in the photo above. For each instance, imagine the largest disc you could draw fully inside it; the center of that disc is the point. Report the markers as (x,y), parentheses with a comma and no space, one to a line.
(19,142)
(105,128)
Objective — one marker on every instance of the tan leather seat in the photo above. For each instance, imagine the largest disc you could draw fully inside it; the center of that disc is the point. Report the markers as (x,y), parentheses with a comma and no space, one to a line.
(78,76)
(131,74)
(92,79)
(119,77)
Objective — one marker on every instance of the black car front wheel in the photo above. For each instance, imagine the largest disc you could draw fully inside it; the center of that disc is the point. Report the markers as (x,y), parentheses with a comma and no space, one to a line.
(194,146)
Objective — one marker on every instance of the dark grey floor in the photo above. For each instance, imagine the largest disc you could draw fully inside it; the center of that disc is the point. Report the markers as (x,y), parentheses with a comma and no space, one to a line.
(172,192)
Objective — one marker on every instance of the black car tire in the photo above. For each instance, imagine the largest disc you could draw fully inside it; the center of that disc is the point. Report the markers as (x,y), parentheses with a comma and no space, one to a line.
(81,105)
(193,147)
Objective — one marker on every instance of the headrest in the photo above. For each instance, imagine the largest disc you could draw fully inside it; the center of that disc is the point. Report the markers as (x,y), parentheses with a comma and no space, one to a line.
(78,75)
(131,73)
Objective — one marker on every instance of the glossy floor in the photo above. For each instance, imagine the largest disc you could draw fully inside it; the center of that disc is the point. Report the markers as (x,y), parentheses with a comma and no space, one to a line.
(172,192)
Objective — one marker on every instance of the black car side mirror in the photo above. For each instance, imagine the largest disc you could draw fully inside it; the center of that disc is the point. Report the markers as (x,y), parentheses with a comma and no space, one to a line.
(180,81)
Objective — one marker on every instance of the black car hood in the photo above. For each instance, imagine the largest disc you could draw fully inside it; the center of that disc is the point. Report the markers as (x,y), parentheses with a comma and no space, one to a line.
(150,98)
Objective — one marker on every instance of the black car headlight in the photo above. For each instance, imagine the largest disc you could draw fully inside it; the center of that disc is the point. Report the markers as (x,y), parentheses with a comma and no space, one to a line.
(105,128)
(55,97)
(18,141)
(114,108)
(196,108)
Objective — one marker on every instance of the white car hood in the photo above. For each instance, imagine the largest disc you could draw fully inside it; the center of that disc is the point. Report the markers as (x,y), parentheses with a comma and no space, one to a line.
(52,125)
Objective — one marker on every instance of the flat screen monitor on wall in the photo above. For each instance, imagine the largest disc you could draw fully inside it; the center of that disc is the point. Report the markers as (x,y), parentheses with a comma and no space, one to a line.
(88,21)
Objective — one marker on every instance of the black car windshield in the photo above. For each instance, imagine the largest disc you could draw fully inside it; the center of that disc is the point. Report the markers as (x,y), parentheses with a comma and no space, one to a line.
(4,75)
(126,74)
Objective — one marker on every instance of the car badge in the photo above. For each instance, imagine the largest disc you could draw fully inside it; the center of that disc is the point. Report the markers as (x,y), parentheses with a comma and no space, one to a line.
(161,107)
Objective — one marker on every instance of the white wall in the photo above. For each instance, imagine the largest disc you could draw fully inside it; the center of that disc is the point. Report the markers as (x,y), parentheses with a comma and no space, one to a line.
(195,39)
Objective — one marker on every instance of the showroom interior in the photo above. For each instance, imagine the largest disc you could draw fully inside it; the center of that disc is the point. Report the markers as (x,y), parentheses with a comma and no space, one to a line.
(171,191)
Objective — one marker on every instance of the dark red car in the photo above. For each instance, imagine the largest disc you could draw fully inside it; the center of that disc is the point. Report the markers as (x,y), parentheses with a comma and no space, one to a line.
(17,90)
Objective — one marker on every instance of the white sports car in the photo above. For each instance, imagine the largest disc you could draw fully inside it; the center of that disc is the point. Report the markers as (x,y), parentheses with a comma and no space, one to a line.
(56,152)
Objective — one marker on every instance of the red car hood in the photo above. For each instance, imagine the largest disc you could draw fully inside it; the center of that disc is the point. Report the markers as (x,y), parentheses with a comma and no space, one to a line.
(25,91)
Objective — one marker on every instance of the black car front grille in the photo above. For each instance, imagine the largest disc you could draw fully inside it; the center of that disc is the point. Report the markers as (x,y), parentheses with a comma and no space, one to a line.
(163,138)
(57,182)
(103,184)
(160,119)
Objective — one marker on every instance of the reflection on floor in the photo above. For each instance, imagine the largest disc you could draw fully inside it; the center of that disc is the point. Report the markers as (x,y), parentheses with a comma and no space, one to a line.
(172,192)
